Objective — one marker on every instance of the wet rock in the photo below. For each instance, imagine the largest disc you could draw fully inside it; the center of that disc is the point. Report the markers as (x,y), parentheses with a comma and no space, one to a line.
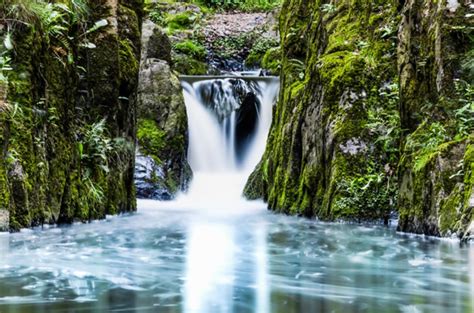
(247,122)
(4,220)
(162,169)
(150,179)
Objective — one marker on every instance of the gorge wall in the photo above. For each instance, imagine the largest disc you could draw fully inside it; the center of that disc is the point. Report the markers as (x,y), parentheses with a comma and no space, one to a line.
(374,114)
(67,110)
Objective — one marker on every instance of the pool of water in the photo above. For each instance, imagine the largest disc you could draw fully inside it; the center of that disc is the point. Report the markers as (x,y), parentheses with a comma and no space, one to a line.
(177,260)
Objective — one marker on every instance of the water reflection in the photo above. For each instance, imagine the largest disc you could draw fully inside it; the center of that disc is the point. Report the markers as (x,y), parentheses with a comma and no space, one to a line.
(471,276)
(181,261)
(209,268)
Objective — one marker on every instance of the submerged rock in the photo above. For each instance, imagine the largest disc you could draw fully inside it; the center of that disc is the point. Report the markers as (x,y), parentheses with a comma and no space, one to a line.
(150,179)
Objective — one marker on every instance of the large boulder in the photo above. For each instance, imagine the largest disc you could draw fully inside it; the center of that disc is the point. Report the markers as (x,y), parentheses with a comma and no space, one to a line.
(162,169)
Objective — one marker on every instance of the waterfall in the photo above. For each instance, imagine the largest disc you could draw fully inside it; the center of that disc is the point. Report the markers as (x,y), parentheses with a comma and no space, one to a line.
(229,119)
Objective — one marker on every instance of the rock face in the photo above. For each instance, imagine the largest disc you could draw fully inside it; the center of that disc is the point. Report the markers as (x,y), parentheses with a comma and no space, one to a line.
(67,122)
(162,169)
(369,87)
(321,158)
(436,184)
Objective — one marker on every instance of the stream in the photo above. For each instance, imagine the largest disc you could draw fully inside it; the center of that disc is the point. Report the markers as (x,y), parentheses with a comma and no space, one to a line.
(178,260)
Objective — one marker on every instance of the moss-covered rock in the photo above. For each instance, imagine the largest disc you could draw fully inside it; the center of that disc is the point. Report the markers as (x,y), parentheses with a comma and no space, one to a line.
(368,87)
(436,168)
(321,159)
(162,169)
(58,93)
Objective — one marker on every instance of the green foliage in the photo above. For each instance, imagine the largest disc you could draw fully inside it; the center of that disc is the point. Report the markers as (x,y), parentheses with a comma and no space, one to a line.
(158,16)
(272,60)
(62,25)
(328,8)
(384,122)
(151,139)
(96,151)
(425,143)
(183,20)
(464,115)
(5,66)
(258,51)
(191,48)
(94,148)
(368,196)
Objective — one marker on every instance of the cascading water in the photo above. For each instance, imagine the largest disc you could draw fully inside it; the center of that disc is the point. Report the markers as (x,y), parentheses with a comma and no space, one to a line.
(229,119)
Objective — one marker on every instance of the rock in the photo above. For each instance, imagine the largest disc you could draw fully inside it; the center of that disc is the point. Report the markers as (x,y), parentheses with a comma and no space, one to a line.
(318,156)
(354,146)
(156,44)
(162,169)
(434,194)
(149,179)
(324,157)
(4,220)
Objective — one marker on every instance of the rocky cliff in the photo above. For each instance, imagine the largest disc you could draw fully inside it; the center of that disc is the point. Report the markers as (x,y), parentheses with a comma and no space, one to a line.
(67,116)
(435,51)
(367,86)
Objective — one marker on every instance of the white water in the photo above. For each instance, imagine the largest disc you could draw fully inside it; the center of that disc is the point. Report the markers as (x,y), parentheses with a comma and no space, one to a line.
(218,177)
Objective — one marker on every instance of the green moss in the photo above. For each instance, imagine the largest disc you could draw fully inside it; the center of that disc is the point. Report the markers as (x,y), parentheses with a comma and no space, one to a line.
(4,189)
(128,62)
(192,49)
(333,65)
(188,66)
(272,60)
(449,211)
(47,179)
(258,51)
(180,21)
(151,138)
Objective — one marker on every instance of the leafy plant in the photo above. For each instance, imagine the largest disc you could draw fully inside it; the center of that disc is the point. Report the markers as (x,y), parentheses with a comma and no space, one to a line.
(368,196)
(328,8)
(384,121)
(94,148)
(62,25)
(465,114)
(425,142)
(5,67)
(192,49)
